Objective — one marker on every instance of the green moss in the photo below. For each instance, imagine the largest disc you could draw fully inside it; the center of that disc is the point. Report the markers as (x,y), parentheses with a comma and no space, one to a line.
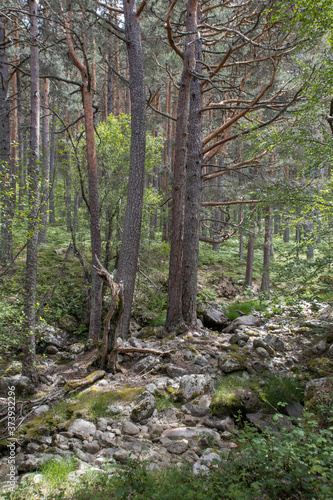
(321,367)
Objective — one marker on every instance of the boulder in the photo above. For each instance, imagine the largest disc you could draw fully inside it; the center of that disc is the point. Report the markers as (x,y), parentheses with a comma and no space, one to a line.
(200,406)
(275,342)
(209,459)
(130,428)
(266,422)
(326,314)
(321,367)
(15,368)
(46,334)
(234,400)
(320,347)
(174,371)
(225,424)
(23,386)
(146,364)
(192,386)
(68,323)
(232,361)
(177,447)
(82,428)
(213,317)
(145,407)
(250,320)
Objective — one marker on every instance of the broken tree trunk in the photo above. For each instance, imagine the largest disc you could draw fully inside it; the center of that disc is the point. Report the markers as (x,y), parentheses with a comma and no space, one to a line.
(108,355)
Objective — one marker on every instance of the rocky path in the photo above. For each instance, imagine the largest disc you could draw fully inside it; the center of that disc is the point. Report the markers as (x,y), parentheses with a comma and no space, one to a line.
(162,409)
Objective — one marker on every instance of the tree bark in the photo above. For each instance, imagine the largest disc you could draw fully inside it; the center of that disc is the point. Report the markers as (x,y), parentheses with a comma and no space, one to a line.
(174,318)
(95,228)
(52,166)
(267,251)
(129,252)
(249,258)
(42,237)
(6,245)
(193,196)
(29,367)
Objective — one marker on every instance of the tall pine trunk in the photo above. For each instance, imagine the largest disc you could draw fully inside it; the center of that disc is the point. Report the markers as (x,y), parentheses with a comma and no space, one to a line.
(42,237)
(193,197)
(6,250)
(95,227)
(267,251)
(129,252)
(174,319)
(249,258)
(29,367)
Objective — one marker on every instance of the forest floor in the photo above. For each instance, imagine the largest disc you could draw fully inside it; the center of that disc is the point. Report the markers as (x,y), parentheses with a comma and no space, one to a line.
(184,406)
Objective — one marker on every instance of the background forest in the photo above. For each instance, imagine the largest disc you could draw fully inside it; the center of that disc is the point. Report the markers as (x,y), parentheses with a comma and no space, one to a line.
(158,158)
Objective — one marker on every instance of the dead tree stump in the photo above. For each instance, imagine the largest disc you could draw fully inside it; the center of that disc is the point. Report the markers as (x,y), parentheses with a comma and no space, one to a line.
(107,358)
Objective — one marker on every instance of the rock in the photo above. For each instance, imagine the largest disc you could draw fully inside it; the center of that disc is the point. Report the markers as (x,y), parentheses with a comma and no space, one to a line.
(29,463)
(105,439)
(130,428)
(326,314)
(242,321)
(320,347)
(275,342)
(102,424)
(15,368)
(64,357)
(121,456)
(82,428)
(92,447)
(321,367)
(134,445)
(23,386)
(262,352)
(47,334)
(318,392)
(330,351)
(200,361)
(149,332)
(259,343)
(77,348)
(236,338)
(32,448)
(51,350)
(40,410)
(147,364)
(68,323)
(222,424)
(145,407)
(174,371)
(90,379)
(177,447)
(85,457)
(266,422)
(192,386)
(232,361)
(294,410)
(208,460)
(200,406)
(193,433)
(214,318)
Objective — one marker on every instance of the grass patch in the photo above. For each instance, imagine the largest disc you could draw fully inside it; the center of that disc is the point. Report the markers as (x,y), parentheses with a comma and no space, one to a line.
(237,309)
(96,403)
(55,471)
(273,391)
